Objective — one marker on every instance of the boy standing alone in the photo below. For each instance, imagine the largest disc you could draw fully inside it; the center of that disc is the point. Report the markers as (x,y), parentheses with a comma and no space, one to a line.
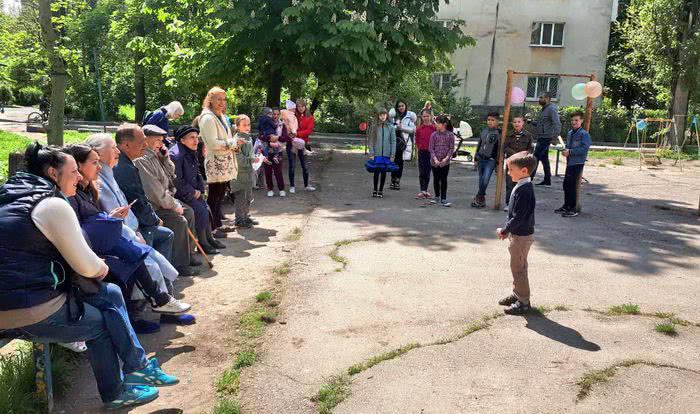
(578,141)
(486,156)
(518,141)
(519,230)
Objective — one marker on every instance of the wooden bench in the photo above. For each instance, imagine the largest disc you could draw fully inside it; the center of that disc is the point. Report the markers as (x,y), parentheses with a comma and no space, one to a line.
(42,364)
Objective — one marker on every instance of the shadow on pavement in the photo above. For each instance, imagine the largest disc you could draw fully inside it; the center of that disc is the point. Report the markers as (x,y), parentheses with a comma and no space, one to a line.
(560,333)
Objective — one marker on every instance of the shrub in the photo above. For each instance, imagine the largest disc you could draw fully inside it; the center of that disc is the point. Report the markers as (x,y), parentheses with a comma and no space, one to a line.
(6,95)
(29,95)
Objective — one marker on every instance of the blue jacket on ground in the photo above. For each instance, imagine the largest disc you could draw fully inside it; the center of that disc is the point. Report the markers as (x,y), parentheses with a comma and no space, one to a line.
(578,142)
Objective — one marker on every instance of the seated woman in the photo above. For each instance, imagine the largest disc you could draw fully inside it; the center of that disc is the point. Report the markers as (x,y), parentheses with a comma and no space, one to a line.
(110,198)
(43,250)
(124,257)
(190,184)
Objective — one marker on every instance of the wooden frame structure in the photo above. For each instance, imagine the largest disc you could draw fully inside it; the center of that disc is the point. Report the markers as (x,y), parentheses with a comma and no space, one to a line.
(649,147)
(506,123)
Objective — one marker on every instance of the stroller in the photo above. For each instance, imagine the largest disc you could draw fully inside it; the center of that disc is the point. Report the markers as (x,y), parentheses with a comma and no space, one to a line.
(464,132)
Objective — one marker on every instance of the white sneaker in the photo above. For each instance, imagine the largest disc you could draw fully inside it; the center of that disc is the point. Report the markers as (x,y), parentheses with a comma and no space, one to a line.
(310,188)
(283,194)
(173,306)
(307,152)
(270,193)
(292,190)
(77,347)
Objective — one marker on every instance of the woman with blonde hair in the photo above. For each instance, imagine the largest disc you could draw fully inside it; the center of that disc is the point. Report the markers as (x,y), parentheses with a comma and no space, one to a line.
(220,161)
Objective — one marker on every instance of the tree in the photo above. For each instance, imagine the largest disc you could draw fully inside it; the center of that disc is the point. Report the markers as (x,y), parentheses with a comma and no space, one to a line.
(350,44)
(669,32)
(59,76)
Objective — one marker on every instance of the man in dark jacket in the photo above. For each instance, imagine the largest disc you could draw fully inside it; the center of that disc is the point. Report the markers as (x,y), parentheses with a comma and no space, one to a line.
(131,141)
(548,127)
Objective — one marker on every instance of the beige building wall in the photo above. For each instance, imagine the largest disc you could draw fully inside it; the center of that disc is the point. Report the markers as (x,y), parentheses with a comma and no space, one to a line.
(584,50)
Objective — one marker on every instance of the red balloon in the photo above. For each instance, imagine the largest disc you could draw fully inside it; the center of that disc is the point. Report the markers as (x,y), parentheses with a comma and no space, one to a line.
(363,126)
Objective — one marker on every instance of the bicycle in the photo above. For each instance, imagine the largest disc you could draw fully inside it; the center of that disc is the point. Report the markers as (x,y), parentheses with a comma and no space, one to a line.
(37,117)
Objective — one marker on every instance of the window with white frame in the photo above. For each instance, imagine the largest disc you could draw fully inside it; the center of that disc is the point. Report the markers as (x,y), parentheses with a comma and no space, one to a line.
(547,34)
(443,80)
(537,85)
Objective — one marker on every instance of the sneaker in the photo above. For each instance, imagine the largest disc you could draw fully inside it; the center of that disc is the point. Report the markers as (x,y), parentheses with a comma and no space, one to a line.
(144,327)
(505,208)
(428,196)
(283,193)
(173,306)
(292,190)
(517,308)
(310,188)
(420,196)
(445,203)
(252,221)
(133,395)
(244,224)
(508,300)
(270,193)
(218,234)
(571,213)
(308,152)
(151,375)
(434,200)
(188,271)
(76,347)
(380,194)
(546,183)
(181,319)
(375,194)
(561,210)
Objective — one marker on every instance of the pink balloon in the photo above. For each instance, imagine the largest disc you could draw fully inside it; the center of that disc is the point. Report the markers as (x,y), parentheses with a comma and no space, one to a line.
(517,96)
(594,89)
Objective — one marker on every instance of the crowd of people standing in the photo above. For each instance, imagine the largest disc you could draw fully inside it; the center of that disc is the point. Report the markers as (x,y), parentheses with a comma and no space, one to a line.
(95,233)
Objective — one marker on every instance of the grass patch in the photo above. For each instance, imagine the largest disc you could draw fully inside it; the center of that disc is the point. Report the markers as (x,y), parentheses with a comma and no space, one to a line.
(18,384)
(664,315)
(227,406)
(229,382)
(357,368)
(624,309)
(75,137)
(295,234)
(263,297)
(10,143)
(617,161)
(337,257)
(666,328)
(332,393)
(282,270)
(127,113)
(356,147)
(592,378)
(253,321)
(620,154)
(245,359)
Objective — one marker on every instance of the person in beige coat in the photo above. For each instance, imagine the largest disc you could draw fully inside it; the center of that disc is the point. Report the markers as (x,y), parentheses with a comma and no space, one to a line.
(160,192)
(220,163)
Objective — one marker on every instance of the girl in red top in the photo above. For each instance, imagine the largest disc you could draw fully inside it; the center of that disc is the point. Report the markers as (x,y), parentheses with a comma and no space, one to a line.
(423,133)
(306,127)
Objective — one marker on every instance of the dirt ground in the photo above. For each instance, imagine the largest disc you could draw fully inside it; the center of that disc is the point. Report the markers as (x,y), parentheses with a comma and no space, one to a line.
(416,273)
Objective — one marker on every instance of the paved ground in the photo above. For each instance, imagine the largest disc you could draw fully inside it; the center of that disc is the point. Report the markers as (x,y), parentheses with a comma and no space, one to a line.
(418,274)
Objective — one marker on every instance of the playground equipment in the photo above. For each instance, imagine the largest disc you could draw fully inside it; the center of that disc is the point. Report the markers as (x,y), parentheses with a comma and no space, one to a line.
(500,171)
(648,145)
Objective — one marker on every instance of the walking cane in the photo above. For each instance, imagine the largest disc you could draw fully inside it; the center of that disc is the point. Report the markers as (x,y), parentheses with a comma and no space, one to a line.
(199,246)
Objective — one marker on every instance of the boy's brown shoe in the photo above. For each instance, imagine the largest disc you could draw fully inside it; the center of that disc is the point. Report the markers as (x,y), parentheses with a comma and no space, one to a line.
(518,308)
(508,300)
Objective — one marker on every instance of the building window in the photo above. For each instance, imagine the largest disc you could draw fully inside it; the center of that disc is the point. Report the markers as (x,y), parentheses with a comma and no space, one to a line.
(443,81)
(547,34)
(537,85)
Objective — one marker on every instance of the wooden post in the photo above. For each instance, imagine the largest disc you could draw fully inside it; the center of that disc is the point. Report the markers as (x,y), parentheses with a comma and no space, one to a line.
(589,108)
(506,121)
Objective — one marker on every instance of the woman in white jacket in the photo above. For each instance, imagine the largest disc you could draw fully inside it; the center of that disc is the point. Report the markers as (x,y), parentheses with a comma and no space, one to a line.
(405,122)
(220,163)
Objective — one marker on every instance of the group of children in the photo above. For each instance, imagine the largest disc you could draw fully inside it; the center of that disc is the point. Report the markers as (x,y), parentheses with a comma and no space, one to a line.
(434,140)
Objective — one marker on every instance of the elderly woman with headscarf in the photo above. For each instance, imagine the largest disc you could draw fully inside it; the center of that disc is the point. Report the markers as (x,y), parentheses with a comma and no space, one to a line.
(190,184)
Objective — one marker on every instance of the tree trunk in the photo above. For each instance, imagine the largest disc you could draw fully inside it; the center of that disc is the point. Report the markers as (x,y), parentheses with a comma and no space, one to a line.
(59,77)
(139,79)
(139,90)
(274,88)
(678,111)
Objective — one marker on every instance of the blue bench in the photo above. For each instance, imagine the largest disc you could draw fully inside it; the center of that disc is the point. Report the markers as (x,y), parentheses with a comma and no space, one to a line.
(42,363)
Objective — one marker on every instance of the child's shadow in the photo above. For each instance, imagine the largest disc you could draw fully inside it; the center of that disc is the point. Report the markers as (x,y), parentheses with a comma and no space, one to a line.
(560,333)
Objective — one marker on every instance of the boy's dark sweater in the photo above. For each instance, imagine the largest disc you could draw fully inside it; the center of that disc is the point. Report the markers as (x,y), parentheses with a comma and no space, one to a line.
(521,211)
